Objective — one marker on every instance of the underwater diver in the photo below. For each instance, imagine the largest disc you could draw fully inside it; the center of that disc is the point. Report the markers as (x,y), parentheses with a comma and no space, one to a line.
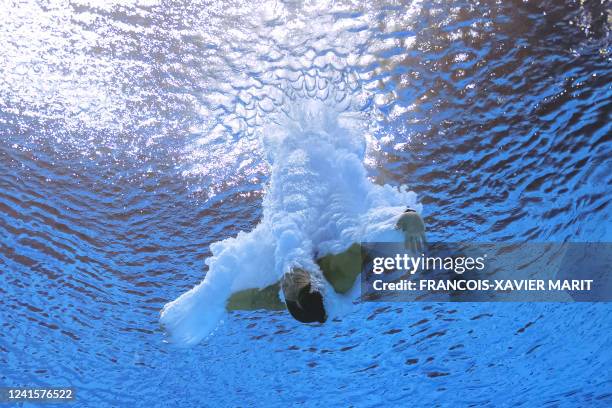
(318,204)
(304,302)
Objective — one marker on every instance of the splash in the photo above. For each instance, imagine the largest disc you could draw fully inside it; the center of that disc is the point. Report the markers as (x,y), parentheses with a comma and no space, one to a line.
(319,201)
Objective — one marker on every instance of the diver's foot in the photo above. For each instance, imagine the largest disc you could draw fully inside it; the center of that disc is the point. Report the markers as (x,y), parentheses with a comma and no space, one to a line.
(304,303)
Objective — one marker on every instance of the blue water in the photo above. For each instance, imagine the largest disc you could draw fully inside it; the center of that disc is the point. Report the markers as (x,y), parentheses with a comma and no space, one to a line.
(129,143)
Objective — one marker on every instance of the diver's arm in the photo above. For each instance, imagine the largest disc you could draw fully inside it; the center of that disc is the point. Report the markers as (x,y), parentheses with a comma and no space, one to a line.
(253,299)
(196,313)
(413,227)
(340,270)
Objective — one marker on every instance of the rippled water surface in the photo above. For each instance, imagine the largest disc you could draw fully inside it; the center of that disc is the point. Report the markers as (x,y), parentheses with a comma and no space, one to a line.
(130,141)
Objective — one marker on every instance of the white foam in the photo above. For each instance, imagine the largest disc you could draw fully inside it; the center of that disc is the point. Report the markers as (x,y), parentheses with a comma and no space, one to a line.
(319,201)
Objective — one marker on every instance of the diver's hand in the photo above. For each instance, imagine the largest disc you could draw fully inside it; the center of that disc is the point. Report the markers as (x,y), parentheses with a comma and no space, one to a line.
(413,227)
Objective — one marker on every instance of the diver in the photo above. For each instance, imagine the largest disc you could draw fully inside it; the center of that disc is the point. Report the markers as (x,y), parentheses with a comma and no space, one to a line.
(302,299)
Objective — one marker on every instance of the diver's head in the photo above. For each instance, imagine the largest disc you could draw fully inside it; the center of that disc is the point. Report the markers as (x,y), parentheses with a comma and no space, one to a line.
(309,306)
(304,303)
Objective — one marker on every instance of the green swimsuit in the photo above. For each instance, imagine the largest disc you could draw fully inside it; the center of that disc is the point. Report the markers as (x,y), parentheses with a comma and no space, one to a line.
(340,270)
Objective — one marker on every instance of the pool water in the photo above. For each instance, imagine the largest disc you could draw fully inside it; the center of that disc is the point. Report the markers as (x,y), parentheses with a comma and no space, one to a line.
(130,141)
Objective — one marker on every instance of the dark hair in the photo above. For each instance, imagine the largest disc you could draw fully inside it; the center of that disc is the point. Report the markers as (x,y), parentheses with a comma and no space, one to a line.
(409,210)
(309,307)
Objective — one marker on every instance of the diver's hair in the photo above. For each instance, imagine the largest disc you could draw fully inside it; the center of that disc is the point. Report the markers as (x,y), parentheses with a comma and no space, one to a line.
(409,210)
(309,306)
